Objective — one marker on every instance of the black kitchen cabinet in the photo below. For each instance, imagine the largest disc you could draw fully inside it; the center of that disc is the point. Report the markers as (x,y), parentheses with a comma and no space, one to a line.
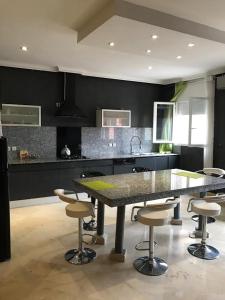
(146,162)
(219,128)
(40,179)
(173,161)
(33,181)
(122,166)
(32,87)
(161,163)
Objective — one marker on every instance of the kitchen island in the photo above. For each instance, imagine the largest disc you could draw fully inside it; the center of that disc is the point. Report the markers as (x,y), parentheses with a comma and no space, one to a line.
(121,190)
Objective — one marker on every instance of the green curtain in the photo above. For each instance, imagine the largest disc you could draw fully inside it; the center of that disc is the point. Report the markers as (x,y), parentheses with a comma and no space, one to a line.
(165,147)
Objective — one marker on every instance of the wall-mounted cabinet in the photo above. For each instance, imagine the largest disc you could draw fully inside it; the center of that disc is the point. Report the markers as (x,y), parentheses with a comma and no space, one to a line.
(113,118)
(20,115)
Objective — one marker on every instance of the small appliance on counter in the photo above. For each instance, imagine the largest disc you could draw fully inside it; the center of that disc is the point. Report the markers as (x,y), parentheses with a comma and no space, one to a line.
(69,143)
(65,152)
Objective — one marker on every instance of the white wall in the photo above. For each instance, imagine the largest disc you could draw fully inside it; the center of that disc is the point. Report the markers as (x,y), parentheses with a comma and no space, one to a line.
(204,88)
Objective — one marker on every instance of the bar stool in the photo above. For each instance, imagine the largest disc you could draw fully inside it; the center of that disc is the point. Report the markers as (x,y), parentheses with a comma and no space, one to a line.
(153,215)
(138,170)
(215,172)
(206,207)
(91,225)
(77,209)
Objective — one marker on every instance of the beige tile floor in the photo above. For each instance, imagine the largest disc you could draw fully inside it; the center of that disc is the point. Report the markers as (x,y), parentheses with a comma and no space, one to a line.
(37,270)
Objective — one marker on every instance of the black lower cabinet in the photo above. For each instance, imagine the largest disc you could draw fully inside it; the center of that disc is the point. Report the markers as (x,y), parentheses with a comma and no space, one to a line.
(40,179)
(122,166)
(146,162)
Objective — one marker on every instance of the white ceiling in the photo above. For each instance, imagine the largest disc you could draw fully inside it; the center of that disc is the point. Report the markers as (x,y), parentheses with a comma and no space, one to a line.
(208,12)
(48,28)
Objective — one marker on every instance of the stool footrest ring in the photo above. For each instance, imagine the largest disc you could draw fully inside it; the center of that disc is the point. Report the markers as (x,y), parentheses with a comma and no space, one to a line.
(93,240)
(140,246)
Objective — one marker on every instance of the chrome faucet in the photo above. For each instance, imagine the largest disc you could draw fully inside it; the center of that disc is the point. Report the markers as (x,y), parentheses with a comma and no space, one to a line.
(131,144)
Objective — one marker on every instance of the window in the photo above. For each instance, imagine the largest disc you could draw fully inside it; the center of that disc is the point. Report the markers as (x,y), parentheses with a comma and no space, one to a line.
(163,122)
(191,122)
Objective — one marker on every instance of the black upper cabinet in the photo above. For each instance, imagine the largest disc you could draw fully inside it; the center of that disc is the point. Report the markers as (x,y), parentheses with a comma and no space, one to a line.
(93,93)
(22,86)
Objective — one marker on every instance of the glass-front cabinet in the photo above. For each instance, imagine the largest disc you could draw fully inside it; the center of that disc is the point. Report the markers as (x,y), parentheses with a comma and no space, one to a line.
(20,115)
(163,122)
(113,118)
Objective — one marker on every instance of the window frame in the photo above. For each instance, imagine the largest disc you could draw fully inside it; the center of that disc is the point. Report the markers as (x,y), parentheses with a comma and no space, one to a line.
(190,128)
(161,141)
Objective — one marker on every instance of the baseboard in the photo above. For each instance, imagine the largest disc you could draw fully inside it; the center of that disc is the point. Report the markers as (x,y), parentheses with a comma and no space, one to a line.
(40,201)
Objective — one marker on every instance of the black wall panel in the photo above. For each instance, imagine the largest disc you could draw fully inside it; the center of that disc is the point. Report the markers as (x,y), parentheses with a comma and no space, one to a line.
(23,86)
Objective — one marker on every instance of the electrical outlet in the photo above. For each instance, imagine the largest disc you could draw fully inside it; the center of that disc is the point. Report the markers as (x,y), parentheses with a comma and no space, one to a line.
(114,144)
(14,148)
(110,144)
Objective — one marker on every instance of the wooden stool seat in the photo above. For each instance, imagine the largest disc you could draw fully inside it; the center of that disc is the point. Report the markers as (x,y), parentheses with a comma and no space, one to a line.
(203,208)
(80,210)
(152,218)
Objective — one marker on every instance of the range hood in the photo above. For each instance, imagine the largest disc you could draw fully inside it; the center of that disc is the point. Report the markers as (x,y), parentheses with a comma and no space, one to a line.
(67,107)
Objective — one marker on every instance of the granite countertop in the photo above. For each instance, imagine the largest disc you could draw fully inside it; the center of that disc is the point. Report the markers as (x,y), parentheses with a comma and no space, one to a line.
(139,187)
(102,157)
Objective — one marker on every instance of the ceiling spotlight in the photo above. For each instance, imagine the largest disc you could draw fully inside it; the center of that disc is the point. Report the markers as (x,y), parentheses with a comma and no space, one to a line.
(191,45)
(179,57)
(148,51)
(111,44)
(150,67)
(154,36)
(24,48)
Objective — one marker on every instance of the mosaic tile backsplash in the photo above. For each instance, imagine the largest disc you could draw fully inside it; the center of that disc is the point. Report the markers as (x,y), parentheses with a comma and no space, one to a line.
(95,141)
(39,141)
(98,141)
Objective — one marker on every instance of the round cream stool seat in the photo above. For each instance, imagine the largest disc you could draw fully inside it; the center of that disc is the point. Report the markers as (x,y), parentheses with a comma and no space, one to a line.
(203,208)
(79,210)
(153,218)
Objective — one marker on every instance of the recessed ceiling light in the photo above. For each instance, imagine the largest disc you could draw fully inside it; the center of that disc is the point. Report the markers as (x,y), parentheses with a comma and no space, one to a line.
(148,51)
(179,56)
(150,67)
(154,36)
(191,45)
(111,44)
(24,48)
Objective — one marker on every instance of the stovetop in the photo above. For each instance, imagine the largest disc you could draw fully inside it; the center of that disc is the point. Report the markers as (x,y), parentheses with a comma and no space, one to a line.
(73,156)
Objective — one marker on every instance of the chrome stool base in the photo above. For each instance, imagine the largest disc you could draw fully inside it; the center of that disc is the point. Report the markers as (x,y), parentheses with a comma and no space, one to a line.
(151,267)
(203,251)
(77,257)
